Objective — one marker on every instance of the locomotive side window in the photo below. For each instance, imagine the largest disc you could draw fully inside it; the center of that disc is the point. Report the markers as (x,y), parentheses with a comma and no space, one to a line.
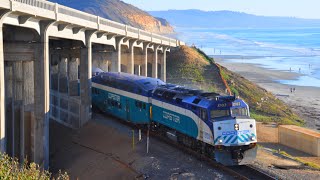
(203,114)
(219,113)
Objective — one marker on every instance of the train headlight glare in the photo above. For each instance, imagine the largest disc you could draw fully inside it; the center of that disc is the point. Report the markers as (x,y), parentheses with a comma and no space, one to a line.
(253,138)
(220,141)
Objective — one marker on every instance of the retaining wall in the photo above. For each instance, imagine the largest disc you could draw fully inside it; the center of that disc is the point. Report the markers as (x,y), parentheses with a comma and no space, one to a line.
(300,138)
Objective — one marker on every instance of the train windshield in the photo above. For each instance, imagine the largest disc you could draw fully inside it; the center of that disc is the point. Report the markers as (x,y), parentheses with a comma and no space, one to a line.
(235,112)
(219,113)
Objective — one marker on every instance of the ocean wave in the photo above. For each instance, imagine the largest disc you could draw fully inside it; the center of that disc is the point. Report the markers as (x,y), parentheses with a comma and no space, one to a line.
(231,38)
(300,50)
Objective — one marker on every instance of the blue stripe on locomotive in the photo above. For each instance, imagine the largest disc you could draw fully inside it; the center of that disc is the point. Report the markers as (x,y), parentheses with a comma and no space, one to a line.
(174,120)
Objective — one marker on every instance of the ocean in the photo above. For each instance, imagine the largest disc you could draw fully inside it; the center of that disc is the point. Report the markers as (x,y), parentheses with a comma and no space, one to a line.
(292,50)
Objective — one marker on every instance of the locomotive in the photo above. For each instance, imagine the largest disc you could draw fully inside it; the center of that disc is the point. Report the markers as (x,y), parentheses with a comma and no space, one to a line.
(215,125)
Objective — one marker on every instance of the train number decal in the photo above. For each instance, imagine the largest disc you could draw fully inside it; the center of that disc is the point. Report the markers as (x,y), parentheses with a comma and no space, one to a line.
(171,117)
(222,105)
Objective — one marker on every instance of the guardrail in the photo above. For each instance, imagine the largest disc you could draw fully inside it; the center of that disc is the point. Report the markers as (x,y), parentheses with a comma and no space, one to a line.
(89,20)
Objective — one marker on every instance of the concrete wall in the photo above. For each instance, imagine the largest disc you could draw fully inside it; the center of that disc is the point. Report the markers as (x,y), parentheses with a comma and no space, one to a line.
(102,61)
(300,138)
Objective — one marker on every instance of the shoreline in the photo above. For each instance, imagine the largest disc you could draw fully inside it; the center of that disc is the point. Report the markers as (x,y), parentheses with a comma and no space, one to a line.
(305,101)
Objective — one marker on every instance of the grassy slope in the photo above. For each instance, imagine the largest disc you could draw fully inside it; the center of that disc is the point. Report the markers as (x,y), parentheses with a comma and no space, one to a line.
(191,67)
(185,66)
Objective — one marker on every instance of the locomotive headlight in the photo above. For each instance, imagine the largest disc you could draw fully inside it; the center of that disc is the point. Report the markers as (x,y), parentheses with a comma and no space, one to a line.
(253,138)
(220,141)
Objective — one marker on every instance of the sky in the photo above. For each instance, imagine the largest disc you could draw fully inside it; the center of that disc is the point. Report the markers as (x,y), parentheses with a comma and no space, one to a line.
(291,8)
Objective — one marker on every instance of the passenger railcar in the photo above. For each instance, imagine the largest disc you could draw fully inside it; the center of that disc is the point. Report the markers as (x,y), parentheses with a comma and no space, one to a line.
(218,126)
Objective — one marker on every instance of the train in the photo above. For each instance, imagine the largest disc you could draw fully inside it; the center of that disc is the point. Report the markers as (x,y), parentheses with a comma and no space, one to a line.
(217,126)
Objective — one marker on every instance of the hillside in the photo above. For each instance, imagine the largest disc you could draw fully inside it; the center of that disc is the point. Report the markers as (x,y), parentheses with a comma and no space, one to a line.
(190,67)
(186,66)
(121,12)
(229,19)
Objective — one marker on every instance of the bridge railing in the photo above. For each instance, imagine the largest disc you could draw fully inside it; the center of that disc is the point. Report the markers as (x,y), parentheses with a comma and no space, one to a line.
(58,12)
(71,15)
(145,35)
(113,27)
(40,4)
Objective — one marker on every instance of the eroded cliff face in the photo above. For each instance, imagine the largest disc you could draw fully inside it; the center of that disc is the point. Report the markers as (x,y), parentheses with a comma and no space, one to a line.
(121,12)
(149,23)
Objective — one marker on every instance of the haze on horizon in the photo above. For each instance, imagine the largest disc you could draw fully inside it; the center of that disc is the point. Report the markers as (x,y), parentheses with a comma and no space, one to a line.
(308,9)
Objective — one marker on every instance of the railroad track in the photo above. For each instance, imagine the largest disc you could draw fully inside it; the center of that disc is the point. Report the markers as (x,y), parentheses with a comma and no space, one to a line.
(243,172)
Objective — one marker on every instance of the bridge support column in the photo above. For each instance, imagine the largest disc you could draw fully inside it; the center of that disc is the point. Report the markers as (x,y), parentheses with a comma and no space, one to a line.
(116,64)
(164,65)
(145,60)
(131,59)
(85,80)
(85,84)
(2,96)
(155,62)
(40,126)
(73,76)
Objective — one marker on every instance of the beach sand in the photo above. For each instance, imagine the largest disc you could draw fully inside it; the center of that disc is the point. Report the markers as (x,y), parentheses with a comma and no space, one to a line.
(305,101)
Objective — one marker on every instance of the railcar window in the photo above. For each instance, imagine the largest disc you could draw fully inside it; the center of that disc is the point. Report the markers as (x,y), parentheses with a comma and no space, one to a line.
(144,105)
(239,112)
(219,113)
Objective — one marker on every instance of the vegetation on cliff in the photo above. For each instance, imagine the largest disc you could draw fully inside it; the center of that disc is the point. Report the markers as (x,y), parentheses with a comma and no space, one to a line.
(192,67)
(186,66)
(11,169)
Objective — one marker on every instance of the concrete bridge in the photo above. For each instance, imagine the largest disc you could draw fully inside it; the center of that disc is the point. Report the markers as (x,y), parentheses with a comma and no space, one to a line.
(46,51)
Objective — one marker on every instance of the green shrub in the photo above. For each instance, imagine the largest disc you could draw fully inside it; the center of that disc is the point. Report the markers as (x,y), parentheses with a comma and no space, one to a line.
(11,169)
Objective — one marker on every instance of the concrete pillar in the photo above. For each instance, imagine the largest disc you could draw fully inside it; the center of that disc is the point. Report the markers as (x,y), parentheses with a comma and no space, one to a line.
(63,78)
(137,70)
(85,80)
(73,76)
(131,59)
(155,62)
(2,95)
(145,55)
(164,65)
(116,64)
(40,126)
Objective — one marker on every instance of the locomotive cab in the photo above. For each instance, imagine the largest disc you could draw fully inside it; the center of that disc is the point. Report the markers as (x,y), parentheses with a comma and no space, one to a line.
(234,133)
